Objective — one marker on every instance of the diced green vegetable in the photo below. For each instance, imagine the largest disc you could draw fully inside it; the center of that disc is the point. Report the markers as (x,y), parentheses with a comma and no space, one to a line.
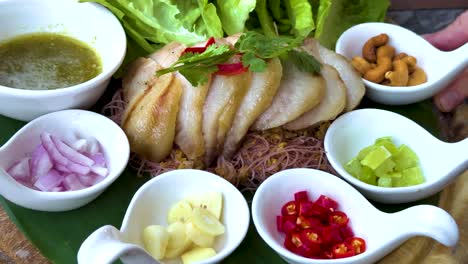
(384,182)
(376,157)
(405,158)
(386,165)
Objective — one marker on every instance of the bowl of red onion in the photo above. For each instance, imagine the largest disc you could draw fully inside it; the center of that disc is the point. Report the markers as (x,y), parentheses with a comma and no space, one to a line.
(62,160)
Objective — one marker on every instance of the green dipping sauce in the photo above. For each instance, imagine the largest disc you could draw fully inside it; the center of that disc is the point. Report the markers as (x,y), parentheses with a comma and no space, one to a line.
(42,61)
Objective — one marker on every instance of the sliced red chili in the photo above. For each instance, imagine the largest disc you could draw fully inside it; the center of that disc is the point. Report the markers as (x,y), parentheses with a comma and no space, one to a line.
(281,222)
(312,240)
(303,222)
(346,232)
(305,208)
(339,218)
(301,196)
(290,208)
(319,212)
(358,244)
(331,234)
(343,250)
(327,202)
(210,42)
(194,50)
(231,68)
(289,226)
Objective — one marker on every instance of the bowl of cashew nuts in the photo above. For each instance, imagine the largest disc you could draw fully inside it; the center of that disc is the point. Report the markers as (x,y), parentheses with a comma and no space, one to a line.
(398,66)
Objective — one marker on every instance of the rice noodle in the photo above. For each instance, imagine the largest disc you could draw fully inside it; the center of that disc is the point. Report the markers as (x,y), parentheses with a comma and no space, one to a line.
(261,155)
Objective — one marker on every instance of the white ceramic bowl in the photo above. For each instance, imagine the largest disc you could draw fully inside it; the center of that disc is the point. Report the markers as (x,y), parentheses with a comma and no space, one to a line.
(150,205)
(440,162)
(441,67)
(64,124)
(383,232)
(88,22)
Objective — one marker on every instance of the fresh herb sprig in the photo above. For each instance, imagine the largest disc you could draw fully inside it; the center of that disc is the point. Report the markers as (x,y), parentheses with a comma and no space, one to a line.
(255,49)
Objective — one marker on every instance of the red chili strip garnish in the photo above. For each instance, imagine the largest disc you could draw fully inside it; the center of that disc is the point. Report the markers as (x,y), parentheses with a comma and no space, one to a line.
(195,50)
(343,250)
(231,68)
(210,42)
(358,244)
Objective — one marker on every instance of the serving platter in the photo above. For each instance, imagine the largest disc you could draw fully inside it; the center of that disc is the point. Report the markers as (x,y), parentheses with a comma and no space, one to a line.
(58,236)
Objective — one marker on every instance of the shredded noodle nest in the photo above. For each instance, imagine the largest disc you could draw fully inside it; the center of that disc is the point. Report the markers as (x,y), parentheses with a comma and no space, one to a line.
(261,154)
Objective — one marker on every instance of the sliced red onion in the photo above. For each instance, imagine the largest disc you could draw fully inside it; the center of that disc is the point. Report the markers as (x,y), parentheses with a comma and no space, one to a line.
(99,159)
(52,150)
(62,168)
(77,168)
(101,171)
(58,189)
(20,170)
(88,179)
(80,145)
(70,153)
(49,181)
(27,184)
(93,147)
(41,162)
(72,183)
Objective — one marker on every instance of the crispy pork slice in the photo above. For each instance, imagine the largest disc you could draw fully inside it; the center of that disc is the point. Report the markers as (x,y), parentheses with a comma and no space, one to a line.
(224,97)
(263,88)
(138,78)
(189,135)
(332,104)
(150,127)
(355,88)
(298,93)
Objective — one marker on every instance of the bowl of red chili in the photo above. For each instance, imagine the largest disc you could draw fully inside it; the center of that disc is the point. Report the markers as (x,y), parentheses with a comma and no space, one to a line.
(311,216)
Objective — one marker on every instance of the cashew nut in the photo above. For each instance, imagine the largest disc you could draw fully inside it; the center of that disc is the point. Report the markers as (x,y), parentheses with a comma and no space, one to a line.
(399,76)
(411,62)
(400,56)
(417,77)
(384,64)
(369,48)
(361,65)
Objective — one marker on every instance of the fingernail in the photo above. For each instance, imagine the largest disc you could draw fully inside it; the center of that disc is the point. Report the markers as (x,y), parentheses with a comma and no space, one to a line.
(449,100)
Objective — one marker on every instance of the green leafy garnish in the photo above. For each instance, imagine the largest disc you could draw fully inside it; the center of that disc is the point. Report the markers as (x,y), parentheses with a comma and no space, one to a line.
(197,67)
(255,49)
(304,61)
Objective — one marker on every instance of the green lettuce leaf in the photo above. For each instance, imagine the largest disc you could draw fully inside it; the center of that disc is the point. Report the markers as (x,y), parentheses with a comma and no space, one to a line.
(300,16)
(322,13)
(344,14)
(234,13)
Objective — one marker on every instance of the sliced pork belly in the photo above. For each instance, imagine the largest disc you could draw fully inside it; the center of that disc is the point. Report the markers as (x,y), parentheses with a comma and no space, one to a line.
(332,104)
(355,88)
(189,135)
(224,97)
(150,127)
(259,96)
(298,93)
(139,77)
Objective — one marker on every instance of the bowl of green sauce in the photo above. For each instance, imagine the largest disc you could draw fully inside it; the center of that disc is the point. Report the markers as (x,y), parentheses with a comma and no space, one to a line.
(56,55)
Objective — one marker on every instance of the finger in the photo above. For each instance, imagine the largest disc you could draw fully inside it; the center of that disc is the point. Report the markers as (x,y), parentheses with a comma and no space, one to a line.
(454,94)
(451,37)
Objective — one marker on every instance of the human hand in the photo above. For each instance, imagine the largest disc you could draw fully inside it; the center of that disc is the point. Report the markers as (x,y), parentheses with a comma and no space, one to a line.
(450,38)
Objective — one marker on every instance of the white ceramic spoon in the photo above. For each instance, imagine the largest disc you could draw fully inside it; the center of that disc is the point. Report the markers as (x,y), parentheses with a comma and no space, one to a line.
(63,124)
(383,232)
(441,162)
(441,67)
(150,205)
